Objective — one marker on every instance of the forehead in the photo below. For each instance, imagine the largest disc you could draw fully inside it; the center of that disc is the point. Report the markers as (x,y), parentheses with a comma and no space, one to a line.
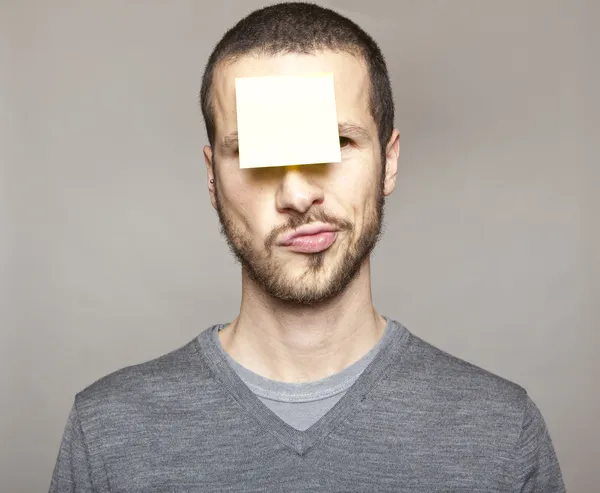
(351,82)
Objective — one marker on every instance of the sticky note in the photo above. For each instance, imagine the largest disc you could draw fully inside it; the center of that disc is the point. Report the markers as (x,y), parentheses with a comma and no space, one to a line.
(287,120)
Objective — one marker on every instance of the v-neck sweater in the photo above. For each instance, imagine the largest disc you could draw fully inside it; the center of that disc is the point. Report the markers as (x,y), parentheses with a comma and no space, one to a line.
(415,419)
(302,404)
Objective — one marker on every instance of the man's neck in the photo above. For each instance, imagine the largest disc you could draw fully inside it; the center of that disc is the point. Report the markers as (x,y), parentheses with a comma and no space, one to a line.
(298,343)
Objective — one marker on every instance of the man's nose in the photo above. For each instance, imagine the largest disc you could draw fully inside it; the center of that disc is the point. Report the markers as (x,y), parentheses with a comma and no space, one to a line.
(298,190)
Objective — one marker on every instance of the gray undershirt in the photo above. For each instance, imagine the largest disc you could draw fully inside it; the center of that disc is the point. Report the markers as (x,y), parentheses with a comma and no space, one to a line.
(303,404)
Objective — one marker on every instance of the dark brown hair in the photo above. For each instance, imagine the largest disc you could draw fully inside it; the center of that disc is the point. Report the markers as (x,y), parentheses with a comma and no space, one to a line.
(300,27)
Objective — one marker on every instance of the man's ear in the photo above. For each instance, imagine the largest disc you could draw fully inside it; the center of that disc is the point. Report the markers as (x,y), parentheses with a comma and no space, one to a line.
(392,155)
(210,174)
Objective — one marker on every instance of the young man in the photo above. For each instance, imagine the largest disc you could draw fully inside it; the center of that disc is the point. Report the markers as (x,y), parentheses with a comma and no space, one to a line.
(309,388)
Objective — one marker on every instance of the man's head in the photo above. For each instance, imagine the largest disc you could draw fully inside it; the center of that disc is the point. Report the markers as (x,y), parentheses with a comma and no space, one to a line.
(257,206)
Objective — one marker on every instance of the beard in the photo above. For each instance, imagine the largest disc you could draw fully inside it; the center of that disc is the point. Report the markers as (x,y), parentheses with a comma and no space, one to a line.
(323,275)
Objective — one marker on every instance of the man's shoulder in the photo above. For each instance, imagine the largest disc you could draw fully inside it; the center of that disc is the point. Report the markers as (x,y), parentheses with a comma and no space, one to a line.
(444,374)
(165,376)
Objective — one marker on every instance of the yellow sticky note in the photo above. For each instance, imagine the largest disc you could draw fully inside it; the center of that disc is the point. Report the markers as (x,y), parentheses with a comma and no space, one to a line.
(287,120)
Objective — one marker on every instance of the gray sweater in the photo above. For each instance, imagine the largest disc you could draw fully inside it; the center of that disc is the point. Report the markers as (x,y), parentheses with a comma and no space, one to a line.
(407,417)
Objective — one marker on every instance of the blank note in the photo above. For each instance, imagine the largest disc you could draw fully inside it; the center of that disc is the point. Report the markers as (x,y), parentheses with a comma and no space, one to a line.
(287,120)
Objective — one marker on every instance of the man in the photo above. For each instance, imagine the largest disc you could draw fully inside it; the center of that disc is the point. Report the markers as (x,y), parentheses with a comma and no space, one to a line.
(309,388)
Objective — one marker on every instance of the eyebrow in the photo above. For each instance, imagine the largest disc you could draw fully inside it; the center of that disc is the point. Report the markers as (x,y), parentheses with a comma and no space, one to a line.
(231,141)
(353,130)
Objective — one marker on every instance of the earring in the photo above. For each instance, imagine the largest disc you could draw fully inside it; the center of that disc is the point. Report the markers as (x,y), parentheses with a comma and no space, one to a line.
(212,181)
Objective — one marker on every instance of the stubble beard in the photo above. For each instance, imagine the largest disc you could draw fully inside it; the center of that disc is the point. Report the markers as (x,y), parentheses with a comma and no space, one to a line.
(326,274)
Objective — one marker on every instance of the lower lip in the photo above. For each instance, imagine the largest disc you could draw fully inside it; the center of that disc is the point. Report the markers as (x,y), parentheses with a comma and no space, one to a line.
(312,243)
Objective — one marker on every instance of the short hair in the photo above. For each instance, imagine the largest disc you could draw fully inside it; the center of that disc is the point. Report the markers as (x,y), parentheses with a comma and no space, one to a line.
(300,27)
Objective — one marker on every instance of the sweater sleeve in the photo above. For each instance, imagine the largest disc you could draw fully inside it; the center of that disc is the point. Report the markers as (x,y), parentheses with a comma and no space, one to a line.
(537,467)
(72,472)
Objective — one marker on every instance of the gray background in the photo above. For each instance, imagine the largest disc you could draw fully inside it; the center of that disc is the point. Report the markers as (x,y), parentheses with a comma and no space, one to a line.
(111,253)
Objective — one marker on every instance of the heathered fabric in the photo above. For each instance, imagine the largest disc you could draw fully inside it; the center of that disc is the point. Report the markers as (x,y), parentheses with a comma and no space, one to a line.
(415,419)
(302,404)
